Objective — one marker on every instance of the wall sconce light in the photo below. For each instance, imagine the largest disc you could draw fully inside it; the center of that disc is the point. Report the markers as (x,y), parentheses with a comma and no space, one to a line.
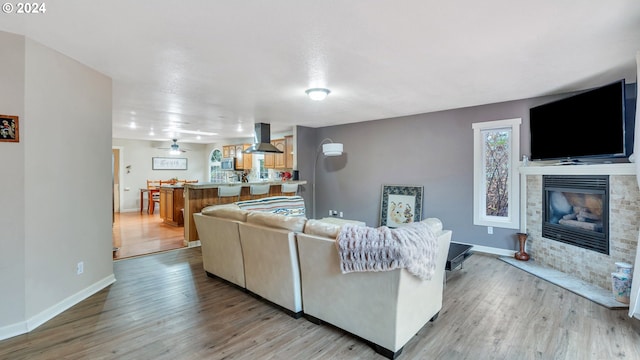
(328,149)
(318,94)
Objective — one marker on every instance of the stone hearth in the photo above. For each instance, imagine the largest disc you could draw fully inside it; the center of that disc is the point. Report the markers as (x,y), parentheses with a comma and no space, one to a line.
(624,213)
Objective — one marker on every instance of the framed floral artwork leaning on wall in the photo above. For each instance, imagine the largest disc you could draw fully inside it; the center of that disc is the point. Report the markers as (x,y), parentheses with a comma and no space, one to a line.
(9,129)
(400,205)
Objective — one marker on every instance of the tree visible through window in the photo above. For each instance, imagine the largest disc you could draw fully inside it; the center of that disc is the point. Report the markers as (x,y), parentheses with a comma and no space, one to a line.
(496,151)
(496,198)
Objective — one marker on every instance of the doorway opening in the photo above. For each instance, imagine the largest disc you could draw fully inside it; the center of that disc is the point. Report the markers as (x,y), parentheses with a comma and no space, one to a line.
(138,233)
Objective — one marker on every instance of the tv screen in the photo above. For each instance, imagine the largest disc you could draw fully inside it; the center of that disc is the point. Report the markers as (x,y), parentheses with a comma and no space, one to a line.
(587,125)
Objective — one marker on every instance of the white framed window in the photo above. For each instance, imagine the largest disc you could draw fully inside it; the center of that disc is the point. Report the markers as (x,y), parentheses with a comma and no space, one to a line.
(215,171)
(496,182)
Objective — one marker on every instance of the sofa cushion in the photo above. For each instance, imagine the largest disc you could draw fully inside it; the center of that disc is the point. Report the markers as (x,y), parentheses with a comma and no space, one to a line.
(322,228)
(285,205)
(226,211)
(434,224)
(291,223)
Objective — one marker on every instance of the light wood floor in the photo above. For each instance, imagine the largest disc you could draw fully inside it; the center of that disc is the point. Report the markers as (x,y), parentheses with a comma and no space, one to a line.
(163,306)
(137,234)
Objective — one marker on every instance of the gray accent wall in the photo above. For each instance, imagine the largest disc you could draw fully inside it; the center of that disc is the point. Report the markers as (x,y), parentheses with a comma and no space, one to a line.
(433,150)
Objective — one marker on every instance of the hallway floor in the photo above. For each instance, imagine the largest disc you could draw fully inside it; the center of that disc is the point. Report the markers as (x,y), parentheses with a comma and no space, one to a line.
(136,234)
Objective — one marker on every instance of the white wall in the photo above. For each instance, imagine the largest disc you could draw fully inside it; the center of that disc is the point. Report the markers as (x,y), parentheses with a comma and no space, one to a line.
(61,215)
(12,207)
(138,154)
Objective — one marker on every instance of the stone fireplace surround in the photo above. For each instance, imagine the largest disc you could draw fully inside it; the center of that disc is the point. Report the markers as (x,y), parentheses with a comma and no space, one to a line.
(624,217)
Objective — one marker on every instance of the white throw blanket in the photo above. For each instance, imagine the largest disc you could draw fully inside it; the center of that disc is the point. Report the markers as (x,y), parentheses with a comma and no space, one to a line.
(363,248)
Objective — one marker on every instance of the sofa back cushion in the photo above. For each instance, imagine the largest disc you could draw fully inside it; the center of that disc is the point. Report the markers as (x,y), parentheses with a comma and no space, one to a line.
(284,205)
(434,224)
(322,228)
(278,221)
(227,211)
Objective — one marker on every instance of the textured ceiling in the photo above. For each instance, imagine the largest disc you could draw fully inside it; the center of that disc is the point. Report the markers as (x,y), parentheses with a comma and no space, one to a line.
(220,66)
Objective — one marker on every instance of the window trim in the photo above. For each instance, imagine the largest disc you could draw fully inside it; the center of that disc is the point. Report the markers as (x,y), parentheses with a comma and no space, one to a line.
(512,221)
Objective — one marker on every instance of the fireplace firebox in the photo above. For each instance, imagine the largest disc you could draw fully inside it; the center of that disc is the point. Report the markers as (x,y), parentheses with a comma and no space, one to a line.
(576,210)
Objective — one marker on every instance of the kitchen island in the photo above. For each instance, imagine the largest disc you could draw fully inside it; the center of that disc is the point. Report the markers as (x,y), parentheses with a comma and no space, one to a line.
(200,195)
(171,204)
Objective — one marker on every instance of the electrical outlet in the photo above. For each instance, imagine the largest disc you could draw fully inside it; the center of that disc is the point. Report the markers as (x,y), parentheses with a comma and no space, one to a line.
(330,212)
(80,268)
(490,230)
(341,214)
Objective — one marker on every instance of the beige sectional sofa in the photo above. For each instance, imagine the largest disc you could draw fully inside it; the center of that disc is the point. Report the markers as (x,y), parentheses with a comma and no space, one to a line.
(386,308)
(220,242)
(293,263)
(271,267)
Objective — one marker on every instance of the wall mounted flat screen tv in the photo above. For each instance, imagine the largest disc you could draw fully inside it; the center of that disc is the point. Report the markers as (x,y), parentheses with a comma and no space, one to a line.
(587,125)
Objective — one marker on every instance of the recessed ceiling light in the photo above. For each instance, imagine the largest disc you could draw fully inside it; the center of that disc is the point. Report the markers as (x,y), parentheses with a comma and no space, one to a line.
(318,94)
(132,125)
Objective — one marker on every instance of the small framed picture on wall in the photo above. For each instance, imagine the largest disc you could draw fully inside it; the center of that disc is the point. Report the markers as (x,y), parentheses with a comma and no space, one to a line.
(9,128)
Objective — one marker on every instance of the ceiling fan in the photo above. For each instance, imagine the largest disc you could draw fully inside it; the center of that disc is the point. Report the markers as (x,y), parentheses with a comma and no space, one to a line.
(175,149)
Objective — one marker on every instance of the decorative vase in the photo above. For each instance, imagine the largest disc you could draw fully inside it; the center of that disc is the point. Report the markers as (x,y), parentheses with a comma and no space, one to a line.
(522,255)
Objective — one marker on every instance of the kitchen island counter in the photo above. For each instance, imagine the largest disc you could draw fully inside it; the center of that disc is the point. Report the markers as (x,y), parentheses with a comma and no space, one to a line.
(200,195)
(210,185)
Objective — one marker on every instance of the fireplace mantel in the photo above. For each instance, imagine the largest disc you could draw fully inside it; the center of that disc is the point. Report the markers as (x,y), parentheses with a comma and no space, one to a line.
(592,169)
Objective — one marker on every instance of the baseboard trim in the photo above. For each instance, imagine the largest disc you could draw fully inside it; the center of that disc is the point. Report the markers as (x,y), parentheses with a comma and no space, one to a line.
(55,310)
(131,210)
(489,250)
(12,330)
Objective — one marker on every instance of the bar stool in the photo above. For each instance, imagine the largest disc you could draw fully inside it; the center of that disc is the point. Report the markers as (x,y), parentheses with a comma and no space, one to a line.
(258,191)
(229,193)
(289,189)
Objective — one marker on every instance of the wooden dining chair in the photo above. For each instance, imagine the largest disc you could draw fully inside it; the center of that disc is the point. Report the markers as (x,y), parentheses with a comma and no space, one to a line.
(258,191)
(154,194)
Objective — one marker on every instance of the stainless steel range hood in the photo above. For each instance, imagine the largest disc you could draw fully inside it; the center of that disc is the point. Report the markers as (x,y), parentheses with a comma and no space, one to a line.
(262,141)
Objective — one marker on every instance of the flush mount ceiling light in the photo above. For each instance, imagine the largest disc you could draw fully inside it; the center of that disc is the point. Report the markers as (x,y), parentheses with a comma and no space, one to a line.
(317,94)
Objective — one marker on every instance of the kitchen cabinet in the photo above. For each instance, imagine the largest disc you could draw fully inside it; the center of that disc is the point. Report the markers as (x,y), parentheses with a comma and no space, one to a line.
(279,159)
(288,152)
(243,161)
(171,205)
(228,151)
(269,160)
(239,157)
